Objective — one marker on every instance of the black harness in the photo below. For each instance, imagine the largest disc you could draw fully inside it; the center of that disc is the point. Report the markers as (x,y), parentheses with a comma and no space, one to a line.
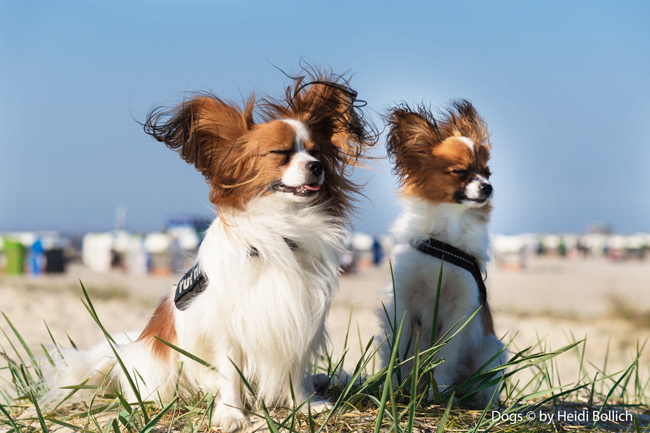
(194,282)
(457,257)
(189,287)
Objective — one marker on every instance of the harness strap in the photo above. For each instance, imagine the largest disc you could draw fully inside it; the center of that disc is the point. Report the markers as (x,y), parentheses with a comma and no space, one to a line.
(194,282)
(456,257)
(189,287)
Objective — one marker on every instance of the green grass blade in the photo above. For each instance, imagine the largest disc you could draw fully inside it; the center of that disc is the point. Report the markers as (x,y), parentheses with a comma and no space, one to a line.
(187,354)
(91,309)
(269,421)
(132,384)
(243,378)
(445,415)
(361,365)
(10,419)
(20,358)
(74,346)
(208,411)
(611,391)
(637,429)
(17,381)
(563,393)
(74,389)
(68,425)
(389,373)
(392,279)
(293,405)
(414,383)
(32,358)
(47,355)
(107,427)
(152,423)
(310,418)
(487,407)
(360,342)
(41,420)
(347,332)
(437,305)
(394,410)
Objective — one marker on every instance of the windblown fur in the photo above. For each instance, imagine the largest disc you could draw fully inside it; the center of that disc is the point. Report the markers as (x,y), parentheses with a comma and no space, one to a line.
(442,166)
(276,178)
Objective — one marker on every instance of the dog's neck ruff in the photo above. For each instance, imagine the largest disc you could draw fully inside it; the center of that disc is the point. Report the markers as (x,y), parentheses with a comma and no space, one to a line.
(462,227)
(194,281)
(455,256)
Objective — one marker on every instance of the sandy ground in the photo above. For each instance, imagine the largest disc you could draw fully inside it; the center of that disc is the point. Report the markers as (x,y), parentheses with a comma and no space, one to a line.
(554,299)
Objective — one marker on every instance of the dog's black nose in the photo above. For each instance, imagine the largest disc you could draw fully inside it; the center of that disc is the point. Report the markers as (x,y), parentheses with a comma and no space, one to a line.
(316,167)
(486,188)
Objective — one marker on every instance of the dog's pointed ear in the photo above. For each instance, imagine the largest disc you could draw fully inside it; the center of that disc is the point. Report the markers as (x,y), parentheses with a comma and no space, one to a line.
(412,135)
(210,134)
(330,108)
(203,130)
(462,120)
(335,106)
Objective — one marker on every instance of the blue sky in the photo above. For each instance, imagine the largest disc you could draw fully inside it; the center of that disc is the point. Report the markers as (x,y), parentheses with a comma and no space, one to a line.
(563,86)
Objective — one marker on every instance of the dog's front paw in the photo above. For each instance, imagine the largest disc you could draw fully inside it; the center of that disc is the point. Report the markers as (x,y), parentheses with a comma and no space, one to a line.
(228,419)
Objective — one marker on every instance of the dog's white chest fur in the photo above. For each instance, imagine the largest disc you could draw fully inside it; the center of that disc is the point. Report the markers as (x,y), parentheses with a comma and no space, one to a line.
(270,306)
(416,281)
(417,274)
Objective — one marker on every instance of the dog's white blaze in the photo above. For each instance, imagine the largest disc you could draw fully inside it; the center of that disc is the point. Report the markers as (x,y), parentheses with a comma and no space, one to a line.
(296,174)
(301,133)
(468,142)
(482,178)
(473,189)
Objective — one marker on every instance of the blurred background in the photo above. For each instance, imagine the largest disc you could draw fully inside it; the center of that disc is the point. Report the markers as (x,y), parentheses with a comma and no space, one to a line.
(563,86)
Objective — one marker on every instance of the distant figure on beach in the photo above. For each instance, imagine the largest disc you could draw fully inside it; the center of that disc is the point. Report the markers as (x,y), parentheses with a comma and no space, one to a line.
(377,252)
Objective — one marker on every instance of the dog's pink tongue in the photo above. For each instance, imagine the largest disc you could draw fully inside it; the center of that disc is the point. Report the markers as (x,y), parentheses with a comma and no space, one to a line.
(312,186)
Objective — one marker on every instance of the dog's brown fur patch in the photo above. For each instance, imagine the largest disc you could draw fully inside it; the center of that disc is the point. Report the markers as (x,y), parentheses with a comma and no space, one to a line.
(161,325)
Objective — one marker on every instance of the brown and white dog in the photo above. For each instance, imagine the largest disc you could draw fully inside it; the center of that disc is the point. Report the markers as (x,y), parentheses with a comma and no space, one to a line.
(442,165)
(268,267)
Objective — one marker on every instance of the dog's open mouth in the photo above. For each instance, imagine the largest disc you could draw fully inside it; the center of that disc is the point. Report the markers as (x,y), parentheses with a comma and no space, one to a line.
(301,191)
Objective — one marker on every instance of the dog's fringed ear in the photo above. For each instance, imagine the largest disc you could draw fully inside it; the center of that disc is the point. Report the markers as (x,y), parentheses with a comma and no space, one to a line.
(330,108)
(412,135)
(208,133)
(203,130)
(334,108)
(461,119)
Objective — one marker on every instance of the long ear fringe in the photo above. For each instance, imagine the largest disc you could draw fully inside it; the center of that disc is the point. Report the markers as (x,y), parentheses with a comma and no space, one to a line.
(325,101)
(197,126)
(205,131)
(461,118)
(413,131)
(327,104)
